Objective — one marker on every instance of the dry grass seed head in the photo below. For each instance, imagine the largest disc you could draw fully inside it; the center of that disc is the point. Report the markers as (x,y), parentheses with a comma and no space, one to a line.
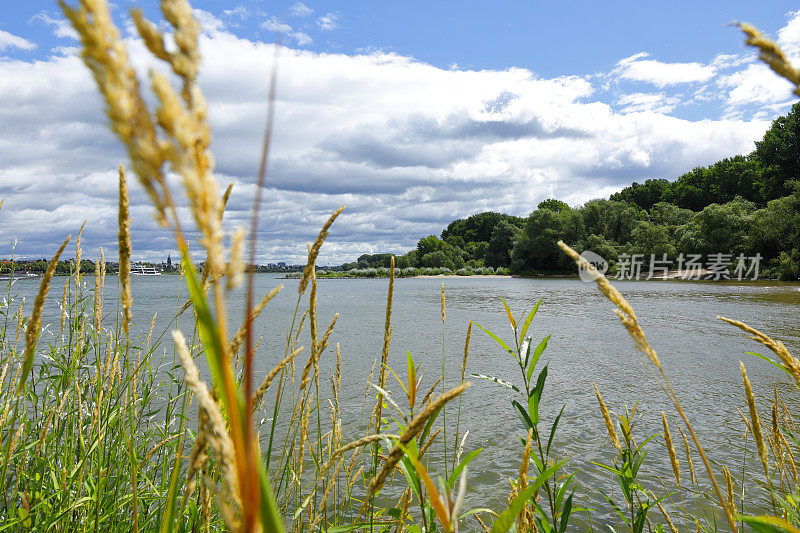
(414,428)
(238,339)
(21,319)
(673,457)
(124,239)
(688,455)
(98,299)
(216,420)
(35,321)
(235,273)
(755,421)
(313,251)
(772,55)
(466,351)
(612,434)
(262,389)
(729,486)
(672,527)
(790,362)
(624,309)
(78,254)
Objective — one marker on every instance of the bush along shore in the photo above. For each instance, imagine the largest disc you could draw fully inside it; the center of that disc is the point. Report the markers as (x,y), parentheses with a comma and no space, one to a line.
(106,428)
(408,272)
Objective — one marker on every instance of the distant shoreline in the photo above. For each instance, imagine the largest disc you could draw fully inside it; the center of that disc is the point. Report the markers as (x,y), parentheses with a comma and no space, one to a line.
(671,277)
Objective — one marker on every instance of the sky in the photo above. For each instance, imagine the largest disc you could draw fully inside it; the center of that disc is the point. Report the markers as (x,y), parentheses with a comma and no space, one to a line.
(410,113)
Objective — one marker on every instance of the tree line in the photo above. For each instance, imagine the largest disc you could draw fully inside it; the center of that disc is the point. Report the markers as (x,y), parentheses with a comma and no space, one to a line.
(741,205)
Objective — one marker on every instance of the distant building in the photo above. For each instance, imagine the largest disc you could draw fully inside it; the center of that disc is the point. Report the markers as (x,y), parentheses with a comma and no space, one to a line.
(281,264)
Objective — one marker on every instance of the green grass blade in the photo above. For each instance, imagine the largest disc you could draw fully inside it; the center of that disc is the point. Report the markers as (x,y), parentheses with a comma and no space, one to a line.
(507,517)
(529,319)
(536,354)
(498,339)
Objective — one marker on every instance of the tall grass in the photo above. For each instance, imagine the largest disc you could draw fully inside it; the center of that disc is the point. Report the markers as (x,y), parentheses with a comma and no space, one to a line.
(107,428)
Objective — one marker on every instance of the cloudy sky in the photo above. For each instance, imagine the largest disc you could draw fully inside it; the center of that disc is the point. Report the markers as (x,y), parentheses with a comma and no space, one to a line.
(410,113)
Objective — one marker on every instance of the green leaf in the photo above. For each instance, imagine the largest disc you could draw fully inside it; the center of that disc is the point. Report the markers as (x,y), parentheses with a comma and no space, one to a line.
(464,462)
(500,382)
(428,425)
(271,519)
(529,319)
(563,490)
(533,407)
(525,418)
(565,514)
(536,354)
(768,360)
(410,474)
(606,467)
(540,383)
(768,524)
(510,316)
(498,339)
(553,429)
(208,333)
(509,516)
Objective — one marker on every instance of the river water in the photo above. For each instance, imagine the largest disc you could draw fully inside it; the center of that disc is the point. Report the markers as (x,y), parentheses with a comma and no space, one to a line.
(699,353)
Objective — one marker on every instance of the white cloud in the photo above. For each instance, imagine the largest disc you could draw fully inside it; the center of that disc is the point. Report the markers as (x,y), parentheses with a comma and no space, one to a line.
(9,40)
(239,11)
(273,24)
(61,27)
(647,102)
(660,74)
(299,9)
(328,22)
(789,35)
(406,145)
(209,22)
(302,38)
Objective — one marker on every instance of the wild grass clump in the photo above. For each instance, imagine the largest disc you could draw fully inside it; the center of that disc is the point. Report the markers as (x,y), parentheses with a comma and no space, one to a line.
(107,428)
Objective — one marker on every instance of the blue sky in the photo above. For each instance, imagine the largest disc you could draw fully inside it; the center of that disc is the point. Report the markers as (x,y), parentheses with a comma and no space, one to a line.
(412,113)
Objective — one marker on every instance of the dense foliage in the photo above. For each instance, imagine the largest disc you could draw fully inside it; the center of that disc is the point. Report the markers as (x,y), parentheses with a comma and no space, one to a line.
(741,205)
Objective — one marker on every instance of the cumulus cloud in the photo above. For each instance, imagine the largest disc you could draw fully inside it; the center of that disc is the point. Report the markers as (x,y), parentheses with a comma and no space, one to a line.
(239,11)
(407,146)
(328,22)
(299,9)
(647,102)
(638,68)
(273,24)
(9,40)
(60,26)
(302,38)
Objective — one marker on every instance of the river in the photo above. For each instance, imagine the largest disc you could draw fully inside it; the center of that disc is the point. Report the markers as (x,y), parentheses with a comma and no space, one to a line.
(699,353)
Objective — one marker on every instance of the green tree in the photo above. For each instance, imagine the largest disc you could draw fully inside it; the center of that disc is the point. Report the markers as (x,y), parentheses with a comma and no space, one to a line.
(498,251)
(613,220)
(553,205)
(779,155)
(722,228)
(644,195)
(535,249)
(429,244)
(478,227)
(652,239)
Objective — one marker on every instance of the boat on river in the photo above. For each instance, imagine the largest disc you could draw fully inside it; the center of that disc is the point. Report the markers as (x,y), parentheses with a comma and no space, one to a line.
(143,270)
(19,275)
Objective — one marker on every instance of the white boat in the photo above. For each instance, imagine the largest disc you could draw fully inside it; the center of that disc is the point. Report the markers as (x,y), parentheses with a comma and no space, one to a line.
(19,275)
(142,270)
